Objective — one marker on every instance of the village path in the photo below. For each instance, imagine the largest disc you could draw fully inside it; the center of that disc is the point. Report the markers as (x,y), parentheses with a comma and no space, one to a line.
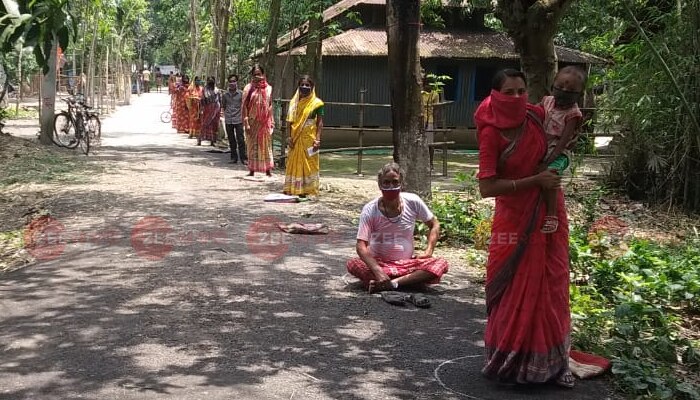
(224,307)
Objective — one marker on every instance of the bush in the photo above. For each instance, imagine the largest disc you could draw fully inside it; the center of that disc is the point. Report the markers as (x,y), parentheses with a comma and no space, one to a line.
(631,308)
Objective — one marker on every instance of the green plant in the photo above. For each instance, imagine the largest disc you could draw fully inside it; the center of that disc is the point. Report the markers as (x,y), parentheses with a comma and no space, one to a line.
(460,215)
(631,308)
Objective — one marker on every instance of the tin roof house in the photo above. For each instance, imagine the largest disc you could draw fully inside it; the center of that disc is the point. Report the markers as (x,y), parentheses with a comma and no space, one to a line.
(356,59)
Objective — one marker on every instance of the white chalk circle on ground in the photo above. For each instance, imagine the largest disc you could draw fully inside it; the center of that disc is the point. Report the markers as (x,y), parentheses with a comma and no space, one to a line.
(436,373)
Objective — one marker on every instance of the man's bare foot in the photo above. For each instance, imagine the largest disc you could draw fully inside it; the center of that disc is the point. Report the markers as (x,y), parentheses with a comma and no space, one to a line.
(566,379)
(376,287)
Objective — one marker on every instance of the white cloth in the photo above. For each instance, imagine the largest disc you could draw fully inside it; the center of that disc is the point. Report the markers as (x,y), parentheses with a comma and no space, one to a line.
(391,241)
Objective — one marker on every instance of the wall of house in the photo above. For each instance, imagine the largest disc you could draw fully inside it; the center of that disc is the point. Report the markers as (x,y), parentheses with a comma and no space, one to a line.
(344,77)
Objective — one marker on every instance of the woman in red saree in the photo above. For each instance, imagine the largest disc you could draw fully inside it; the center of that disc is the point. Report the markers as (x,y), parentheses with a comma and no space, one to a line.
(181,117)
(527,273)
(172,93)
(194,96)
(258,122)
(211,113)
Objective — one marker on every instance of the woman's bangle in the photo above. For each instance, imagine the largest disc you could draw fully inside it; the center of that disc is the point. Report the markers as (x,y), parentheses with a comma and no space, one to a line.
(515,188)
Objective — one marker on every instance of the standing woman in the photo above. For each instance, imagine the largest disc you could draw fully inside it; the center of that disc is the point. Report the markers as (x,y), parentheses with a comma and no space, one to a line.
(527,273)
(211,113)
(194,96)
(258,122)
(171,92)
(181,117)
(305,119)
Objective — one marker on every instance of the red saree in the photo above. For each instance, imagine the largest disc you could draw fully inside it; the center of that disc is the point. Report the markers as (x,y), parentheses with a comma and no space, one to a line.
(211,112)
(181,118)
(194,96)
(527,273)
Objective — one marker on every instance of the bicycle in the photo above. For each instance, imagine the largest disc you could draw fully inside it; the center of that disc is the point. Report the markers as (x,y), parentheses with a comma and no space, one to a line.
(166,117)
(77,127)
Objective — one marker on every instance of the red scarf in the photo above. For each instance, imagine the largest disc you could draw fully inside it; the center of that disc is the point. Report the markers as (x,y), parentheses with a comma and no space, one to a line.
(501,111)
(263,109)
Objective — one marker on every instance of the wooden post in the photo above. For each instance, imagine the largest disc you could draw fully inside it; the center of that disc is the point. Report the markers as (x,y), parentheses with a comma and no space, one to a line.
(283,133)
(360,133)
(443,123)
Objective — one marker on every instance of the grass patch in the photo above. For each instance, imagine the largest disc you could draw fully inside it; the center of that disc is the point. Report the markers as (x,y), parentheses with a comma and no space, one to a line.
(346,164)
(22,113)
(11,242)
(24,161)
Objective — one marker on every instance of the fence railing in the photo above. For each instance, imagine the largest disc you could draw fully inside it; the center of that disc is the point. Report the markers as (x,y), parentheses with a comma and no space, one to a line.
(361,130)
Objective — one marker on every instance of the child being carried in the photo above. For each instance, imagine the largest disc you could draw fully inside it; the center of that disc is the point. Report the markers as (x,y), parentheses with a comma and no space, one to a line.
(562,124)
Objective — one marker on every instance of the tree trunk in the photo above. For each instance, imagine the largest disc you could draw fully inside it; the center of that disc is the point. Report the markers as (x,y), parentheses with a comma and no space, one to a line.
(314,45)
(225,13)
(194,34)
(271,54)
(91,66)
(532,29)
(20,92)
(48,94)
(410,144)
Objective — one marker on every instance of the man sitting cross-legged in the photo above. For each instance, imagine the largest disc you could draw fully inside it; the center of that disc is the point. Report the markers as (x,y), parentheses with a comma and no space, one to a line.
(385,238)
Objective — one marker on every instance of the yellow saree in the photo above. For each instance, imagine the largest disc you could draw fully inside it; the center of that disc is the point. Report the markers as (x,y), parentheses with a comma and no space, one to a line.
(302,173)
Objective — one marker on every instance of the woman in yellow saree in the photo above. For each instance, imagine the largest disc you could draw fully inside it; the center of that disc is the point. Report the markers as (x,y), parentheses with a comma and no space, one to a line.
(305,121)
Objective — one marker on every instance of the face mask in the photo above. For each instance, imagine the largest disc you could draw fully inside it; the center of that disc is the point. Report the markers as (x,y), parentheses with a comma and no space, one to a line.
(510,107)
(391,194)
(198,83)
(564,98)
(304,90)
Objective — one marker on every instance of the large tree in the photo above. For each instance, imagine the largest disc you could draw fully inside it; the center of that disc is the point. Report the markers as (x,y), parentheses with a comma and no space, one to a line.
(43,25)
(410,144)
(532,25)
(314,46)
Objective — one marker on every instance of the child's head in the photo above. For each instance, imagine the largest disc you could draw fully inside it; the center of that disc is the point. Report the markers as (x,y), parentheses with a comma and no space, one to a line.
(569,83)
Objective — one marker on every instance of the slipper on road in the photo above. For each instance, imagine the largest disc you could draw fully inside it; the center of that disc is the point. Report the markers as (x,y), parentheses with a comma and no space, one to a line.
(393,298)
(419,300)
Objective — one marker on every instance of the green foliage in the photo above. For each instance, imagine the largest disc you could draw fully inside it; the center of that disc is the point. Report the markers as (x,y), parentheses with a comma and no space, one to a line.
(659,146)
(36,24)
(459,213)
(430,13)
(437,82)
(29,65)
(630,309)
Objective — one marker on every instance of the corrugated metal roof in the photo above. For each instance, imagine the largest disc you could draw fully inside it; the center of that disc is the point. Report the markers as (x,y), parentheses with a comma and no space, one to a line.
(438,44)
(338,9)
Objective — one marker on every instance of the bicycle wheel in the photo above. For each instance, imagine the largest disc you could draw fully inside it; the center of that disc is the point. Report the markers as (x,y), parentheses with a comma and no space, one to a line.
(64,131)
(165,117)
(84,140)
(94,129)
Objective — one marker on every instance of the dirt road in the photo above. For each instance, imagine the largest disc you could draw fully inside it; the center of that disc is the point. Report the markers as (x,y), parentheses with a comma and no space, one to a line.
(164,278)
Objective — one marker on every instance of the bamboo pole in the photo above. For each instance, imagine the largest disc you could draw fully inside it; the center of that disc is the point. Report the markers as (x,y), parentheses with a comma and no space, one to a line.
(360,133)
(668,72)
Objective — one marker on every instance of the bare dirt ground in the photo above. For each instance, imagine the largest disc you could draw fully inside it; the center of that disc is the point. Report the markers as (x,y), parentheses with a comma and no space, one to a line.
(163,277)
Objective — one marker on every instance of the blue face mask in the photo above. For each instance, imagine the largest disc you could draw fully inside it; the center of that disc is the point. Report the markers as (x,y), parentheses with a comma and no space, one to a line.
(304,90)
